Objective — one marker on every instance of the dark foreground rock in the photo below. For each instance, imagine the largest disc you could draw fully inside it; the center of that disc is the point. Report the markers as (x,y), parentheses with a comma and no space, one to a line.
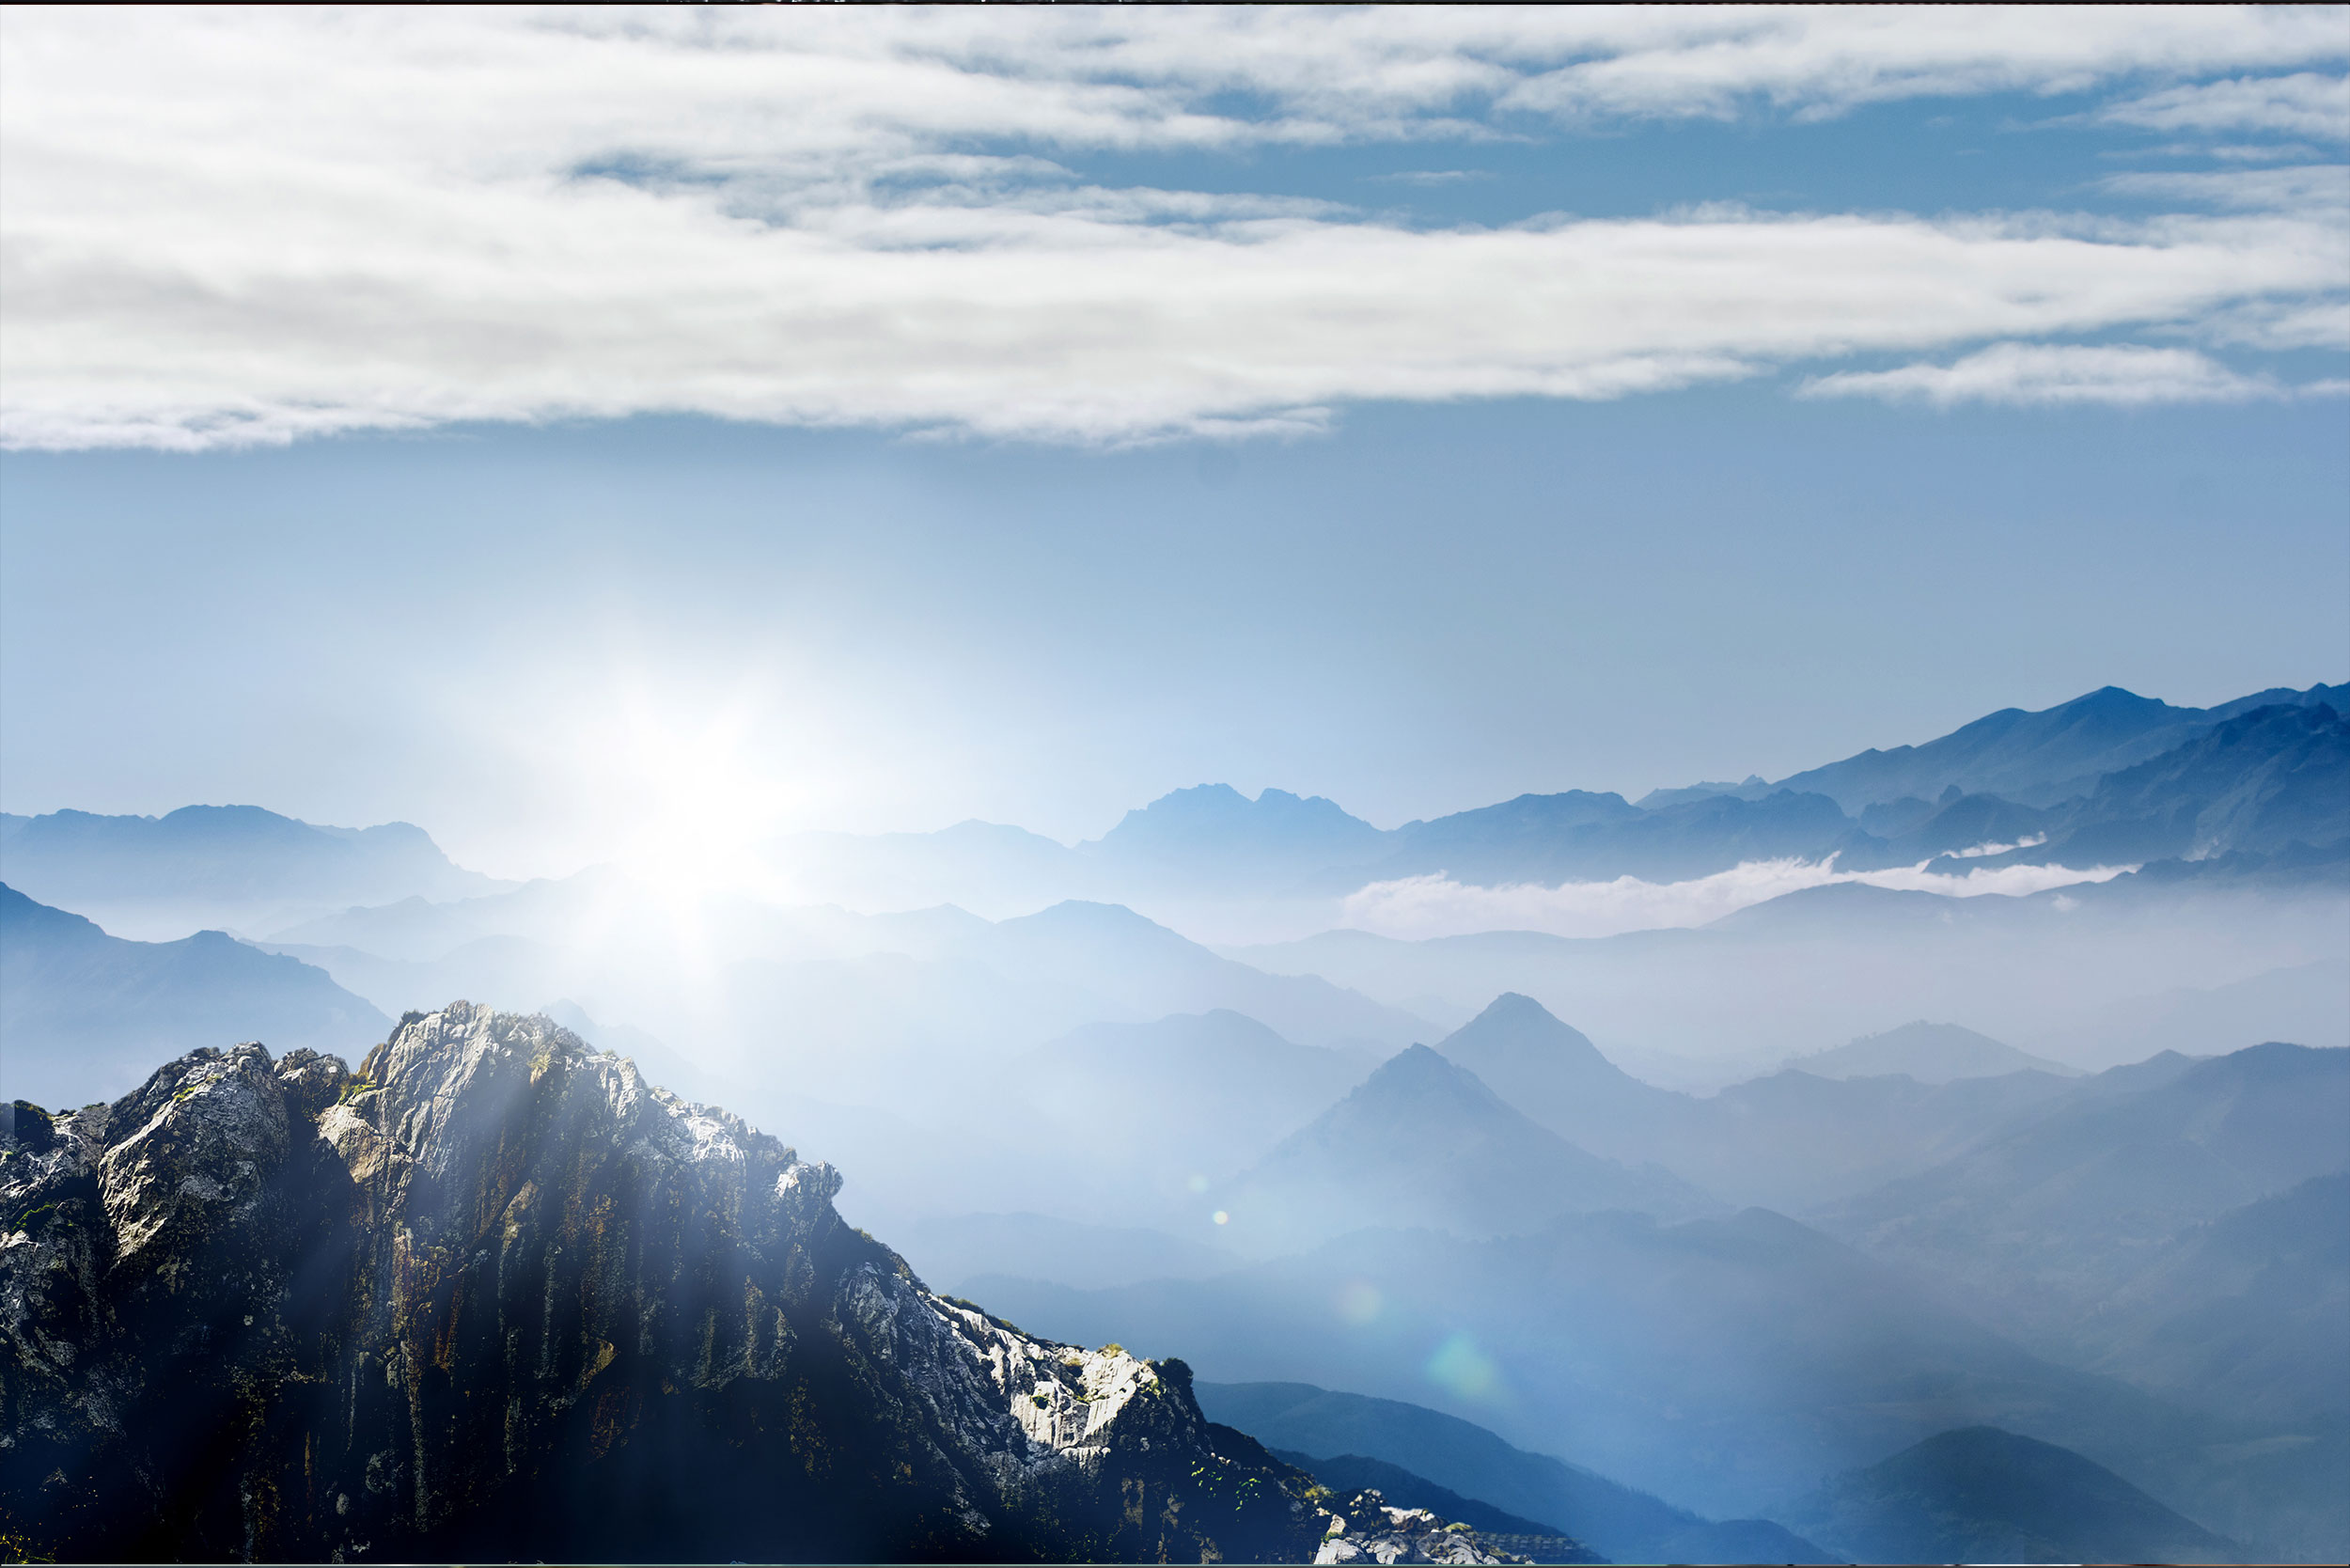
(494,1296)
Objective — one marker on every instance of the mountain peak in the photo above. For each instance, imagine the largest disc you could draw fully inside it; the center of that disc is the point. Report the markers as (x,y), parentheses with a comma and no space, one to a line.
(1418,1084)
(1930,1053)
(1551,1071)
(1414,1095)
(1424,1143)
(1215,823)
(286,1192)
(1983,1494)
(1527,1020)
(1515,1035)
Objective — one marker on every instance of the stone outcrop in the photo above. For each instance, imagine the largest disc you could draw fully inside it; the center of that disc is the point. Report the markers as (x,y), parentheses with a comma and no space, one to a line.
(495,1296)
(1365,1528)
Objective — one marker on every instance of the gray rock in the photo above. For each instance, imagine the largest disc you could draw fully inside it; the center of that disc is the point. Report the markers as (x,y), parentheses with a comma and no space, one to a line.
(496,1296)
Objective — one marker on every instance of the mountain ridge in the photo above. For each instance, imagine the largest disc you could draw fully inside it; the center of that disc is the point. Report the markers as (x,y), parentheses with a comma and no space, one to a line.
(1422,1141)
(222,866)
(1979,1494)
(84,1012)
(249,1307)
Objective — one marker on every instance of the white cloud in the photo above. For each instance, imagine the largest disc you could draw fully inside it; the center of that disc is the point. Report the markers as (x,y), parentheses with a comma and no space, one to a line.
(1824,61)
(2033,374)
(2303,103)
(2303,188)
(241,225)
(1423,906)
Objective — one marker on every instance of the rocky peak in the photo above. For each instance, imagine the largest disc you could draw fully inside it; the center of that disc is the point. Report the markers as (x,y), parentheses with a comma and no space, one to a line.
(494,1294)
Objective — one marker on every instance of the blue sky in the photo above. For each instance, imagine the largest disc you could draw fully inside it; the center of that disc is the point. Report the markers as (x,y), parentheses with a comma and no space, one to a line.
(873,421)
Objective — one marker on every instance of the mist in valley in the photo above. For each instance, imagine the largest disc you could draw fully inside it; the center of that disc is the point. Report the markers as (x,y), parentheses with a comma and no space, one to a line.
(1716,1211)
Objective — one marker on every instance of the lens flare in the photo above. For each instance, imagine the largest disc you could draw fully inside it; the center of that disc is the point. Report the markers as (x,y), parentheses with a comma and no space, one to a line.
(1461,1368)
(1360,1302)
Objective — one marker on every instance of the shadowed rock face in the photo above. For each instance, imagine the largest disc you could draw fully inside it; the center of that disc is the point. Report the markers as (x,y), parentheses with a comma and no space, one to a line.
(495,1296)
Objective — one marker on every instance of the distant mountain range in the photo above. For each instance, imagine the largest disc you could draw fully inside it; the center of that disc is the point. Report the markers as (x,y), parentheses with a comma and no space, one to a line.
(1792,1138)
(2258,787)
(2158,1244)
(1726,1363)
(2049,1219)
(233,866)
(1221,1088)
(2141,1266)
(1421,1142)
(1723,1258)
(1930,1053)
(1622,1524)
(1980,1495)
(576,935)
(2108,778)
(2092,975)
(2036,759)
(85,1015)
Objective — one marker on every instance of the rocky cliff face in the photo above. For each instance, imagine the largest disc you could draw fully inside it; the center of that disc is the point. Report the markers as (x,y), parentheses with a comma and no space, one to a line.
(494,1296)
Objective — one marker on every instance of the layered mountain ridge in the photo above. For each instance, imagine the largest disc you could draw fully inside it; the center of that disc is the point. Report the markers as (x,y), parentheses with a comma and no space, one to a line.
(495,1295)
(2110,777)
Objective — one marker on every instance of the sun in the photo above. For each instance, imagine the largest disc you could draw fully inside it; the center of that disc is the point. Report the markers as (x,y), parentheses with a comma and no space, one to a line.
(698,797)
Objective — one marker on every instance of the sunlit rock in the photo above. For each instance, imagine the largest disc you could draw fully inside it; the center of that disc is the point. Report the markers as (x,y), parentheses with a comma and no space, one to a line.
(495,1295)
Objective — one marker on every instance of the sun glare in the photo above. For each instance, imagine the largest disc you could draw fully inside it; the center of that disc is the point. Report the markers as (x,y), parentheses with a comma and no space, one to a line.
(700,800)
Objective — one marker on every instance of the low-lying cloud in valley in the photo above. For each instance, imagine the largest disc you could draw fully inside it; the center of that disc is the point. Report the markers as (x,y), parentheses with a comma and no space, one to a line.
(1437,905)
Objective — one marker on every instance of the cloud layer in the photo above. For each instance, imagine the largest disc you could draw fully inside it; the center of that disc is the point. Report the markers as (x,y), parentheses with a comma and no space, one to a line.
(226,227)
(2028,374)
(1425,906)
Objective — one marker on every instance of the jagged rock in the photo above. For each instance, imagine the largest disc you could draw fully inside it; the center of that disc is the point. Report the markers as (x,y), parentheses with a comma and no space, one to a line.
(1365,1528)
(495,1295)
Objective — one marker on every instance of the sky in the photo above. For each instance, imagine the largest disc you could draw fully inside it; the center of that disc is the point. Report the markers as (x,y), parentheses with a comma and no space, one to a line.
(574,431)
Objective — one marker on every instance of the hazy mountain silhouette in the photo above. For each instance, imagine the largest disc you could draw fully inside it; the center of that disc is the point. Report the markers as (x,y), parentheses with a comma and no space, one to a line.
(1753,787)
(1725,1363)
(84,1014)
(2308,1003)
(1790,1140)
(1619,1522)
(2036,759)
(1423,1142)
(1930,1053)
(1212,832)
(2060,974)
(2248,1314)
(1577,837)
(974,863)
(952,1250)
(1980,1495)
(2260,782)
(896,1007)
(1557,1076)
(1154,971)
(1958,825)
(235,866)
(1992,781)
(1222,1088)
(2048,1219)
